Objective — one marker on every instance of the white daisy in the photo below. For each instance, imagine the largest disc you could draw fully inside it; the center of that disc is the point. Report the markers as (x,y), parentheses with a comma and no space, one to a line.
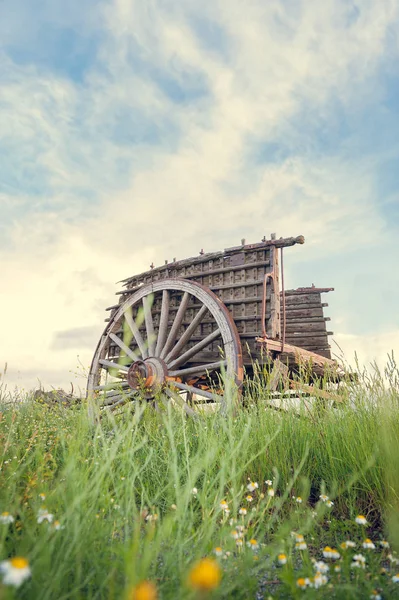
(321,566)
(282,559)
(252,486)
(15,571)
(253,544)
(44,515)
(6,518)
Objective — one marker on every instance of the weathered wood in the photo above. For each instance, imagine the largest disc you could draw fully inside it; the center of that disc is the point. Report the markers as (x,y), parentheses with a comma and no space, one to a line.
(306,327)
(195,260)
(314,391)
(176,325)
(163,323)
(198,369)
(305,313)
(187,334)
(112,365)
(278,375)
(136,334)
(195,349)
(123,347)
(308,290)
(303,299)
(275,319)
(296,352)
(149,325)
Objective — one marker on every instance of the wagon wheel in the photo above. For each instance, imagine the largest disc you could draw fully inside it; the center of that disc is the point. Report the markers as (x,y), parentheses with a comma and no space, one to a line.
(172,340)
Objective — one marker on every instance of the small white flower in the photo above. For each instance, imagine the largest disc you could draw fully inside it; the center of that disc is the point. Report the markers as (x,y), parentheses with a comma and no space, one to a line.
(239,542)
(384,544)
(301,545)
(337,568)
(253,544)
(395,578)
(57,526)
(393,559)
(319,580)
(252,486)
(235,534)
(44,515)
(329,503)
(375,595)
(194,491)
(321,566)
(268,482)
(298,536)
(298,500)
(270,492)
(218,551)
(359,558)
(249,498)
(282,559)
(331,553)
(42,497)
(224,506)
(361,520)
(359,561)
(303,582)
(323,498)
(368,544)
(15,571)
(242,511)
(348,544)
(6,518)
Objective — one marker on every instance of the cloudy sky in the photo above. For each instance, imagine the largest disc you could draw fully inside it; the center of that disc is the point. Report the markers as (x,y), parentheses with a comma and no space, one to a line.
(134,131)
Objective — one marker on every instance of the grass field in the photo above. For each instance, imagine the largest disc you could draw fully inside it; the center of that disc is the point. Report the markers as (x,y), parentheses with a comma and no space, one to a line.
(270,498)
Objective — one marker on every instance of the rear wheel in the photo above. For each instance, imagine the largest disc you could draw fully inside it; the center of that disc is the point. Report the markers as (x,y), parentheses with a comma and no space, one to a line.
(171,340)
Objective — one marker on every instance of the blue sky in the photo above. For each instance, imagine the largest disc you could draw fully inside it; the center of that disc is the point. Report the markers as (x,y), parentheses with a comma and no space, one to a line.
(132,132)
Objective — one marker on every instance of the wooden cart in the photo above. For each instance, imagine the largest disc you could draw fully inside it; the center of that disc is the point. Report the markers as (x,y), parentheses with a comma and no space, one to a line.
(181,328)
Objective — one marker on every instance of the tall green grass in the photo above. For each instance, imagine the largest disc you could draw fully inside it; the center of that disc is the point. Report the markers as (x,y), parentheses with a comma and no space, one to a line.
(123,493)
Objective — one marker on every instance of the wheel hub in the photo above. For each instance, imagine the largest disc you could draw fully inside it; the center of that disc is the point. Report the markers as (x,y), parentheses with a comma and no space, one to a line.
(147,376)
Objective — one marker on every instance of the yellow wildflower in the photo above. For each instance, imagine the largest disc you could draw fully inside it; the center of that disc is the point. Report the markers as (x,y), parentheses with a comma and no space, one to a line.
(205,575)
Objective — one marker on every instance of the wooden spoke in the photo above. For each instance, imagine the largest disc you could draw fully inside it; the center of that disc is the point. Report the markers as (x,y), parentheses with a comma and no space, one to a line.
(149,325)
(198,369)
(111,401)
(197,391)
(113,365)
(163,323)
(176,324)
(195,349)
(116,404)
(136,334)
(111,386)
(187,334)
(177,398)
(123,347)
